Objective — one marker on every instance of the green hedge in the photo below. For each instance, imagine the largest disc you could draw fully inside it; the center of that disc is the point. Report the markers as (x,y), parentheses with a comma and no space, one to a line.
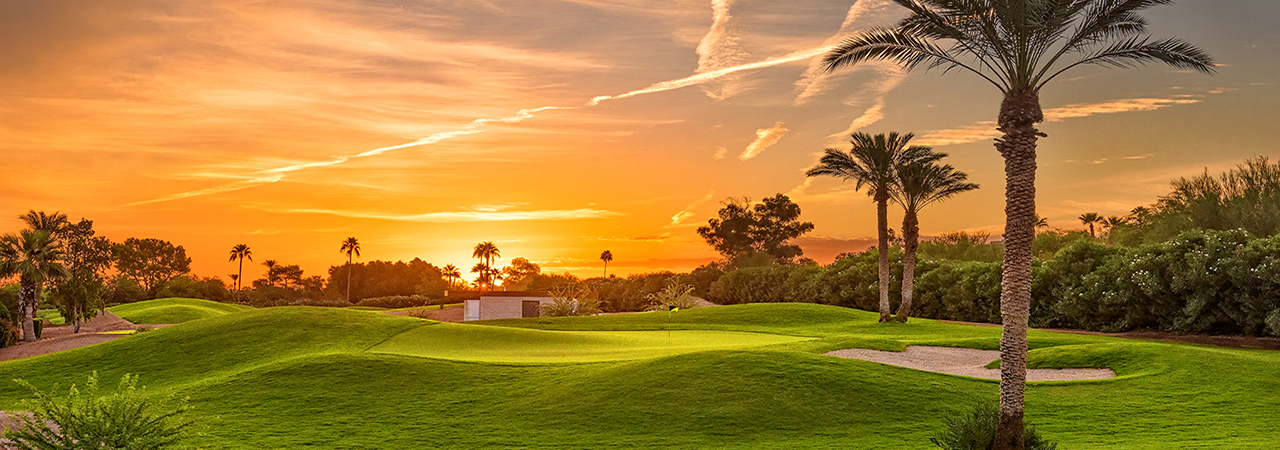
(1208,282)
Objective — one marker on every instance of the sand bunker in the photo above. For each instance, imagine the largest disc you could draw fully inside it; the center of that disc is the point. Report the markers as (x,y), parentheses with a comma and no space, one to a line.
(61,338)
(964,362)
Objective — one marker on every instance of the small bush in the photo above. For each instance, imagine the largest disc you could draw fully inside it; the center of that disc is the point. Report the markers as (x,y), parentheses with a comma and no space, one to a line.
(571,301)
(301,302)
(39,326)
(422,314)
(1273,322)
(141,330)
(8,334)
(676,294)
(85,419)
(977,431)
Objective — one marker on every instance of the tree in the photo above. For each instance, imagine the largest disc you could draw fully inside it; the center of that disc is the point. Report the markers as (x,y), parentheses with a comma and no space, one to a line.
(1041,222)
(240,252)
(451,273)
(34,257)
(921,182)
(1018,46)
(607,256)
(1089,219)
(744,231)
(872,163)
(151,263)
(52,223)
(520,273)
(349,246)
(87,259)
(486,252)
(271,264)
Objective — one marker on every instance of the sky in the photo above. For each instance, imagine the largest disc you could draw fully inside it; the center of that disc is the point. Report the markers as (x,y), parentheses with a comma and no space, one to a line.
(556,128)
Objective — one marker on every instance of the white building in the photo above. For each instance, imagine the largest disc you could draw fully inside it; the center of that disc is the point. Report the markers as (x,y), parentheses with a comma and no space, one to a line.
(505,305)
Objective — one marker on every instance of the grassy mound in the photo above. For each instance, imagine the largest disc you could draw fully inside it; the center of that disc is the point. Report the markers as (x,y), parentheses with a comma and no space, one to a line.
(502,344)
(323,377)
(173,310)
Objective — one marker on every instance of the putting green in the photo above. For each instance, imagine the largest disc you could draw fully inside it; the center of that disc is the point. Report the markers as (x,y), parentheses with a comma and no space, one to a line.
(484,343)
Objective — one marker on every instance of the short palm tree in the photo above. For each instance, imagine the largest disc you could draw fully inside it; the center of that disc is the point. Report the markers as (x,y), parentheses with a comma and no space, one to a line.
(52,223)
(451,274)
(872,163)
(32,255)
(350,246)
(921,182)
(1089,219)
(1018,46)
(607,256)
(271,264)
(240,252)
(1041,222)
(487,252)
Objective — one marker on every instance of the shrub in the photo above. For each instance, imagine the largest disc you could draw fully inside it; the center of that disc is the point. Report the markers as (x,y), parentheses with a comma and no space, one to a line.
(571,301)
(676,295)
(141,330)
(421,313)
(977,431)
(8,334)
(1273,322)
(328,303)
(5,314)
(38,324)
(84,419)
(195,287)
(398,301)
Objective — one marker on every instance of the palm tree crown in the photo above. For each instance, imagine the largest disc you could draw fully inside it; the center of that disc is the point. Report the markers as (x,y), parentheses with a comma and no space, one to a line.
(39,221)
(1090,219)
(240,252)
(607,257)
(450,272)
(487,252)
(1019,45)
(34,256)
(351,246)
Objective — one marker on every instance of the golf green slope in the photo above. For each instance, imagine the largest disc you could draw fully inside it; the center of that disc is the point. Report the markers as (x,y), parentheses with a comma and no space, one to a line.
(323,378)
(501,344)
(173,310)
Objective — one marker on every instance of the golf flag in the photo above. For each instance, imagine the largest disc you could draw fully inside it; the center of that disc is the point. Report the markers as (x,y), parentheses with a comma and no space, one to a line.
(672,308)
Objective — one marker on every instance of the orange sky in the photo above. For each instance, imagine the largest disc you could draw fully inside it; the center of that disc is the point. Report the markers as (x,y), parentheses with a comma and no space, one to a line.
(556,129)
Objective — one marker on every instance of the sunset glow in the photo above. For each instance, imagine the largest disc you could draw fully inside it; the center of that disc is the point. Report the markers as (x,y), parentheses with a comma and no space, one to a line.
(555,129)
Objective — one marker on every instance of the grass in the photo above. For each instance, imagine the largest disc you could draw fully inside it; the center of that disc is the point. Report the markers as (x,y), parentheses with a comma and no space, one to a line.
(174,310)
(52,315)
(329,378)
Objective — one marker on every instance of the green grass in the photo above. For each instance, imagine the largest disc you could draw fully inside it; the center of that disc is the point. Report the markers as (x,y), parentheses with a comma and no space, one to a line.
(320,377)
(174,310)
(52,315)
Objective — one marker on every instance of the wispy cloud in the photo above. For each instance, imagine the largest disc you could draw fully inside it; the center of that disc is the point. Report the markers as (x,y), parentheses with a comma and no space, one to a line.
(468,216)
(700,78)
(815,80)
(687,213)
(765,138)
(720,48)
(986,130)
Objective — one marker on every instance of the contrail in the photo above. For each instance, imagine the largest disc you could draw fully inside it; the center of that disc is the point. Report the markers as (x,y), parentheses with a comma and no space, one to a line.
(268,176)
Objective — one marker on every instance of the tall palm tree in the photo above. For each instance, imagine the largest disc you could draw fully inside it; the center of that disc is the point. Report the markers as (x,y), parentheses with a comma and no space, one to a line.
(350,246)
(240,252)
(32,255)
(1090,219)
(487,252)
(271,264)
(606,257)
(921,182)
(871,163)
(1018,46)
(450,272)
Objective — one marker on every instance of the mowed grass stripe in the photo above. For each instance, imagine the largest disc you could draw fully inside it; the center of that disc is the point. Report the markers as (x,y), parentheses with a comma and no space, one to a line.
(174,310)
(514,345)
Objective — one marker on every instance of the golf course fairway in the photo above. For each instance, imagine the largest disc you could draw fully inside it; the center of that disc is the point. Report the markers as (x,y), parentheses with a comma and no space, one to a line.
(173,310)
(294,377)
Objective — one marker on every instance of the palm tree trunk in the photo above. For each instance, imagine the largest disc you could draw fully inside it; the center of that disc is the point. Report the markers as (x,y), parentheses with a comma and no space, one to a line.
(882,223)
(77,315)
(910,238)
(1019,113)
(348,278)
(239,278)
(27,293)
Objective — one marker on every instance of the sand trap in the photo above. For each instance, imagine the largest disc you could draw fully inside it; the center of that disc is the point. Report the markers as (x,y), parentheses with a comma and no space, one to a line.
(964,362)
(60,338)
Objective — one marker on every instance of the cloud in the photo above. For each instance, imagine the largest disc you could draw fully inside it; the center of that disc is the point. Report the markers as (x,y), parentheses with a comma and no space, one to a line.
(700,78)
(469,216)
(986,130)
(815,80)
(721,152)
(765,138)
(687,213)
(720,48)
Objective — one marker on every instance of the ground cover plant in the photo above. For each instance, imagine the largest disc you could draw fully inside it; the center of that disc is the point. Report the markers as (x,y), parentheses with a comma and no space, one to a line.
(173,310)
(296,376)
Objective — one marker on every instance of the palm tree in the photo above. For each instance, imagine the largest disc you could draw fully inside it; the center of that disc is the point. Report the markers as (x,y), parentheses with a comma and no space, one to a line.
(1041,222)
(271,271)
(487,251)
(1090,219)
(240,252)
(450,272)
(1018,46)
(921,182)
(350,246)
(33,256)
(606,257)
(482,279)
(52,223)
(871,163)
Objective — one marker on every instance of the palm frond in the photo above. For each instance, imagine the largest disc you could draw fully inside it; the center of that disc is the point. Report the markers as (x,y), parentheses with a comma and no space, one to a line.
(1136,52)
